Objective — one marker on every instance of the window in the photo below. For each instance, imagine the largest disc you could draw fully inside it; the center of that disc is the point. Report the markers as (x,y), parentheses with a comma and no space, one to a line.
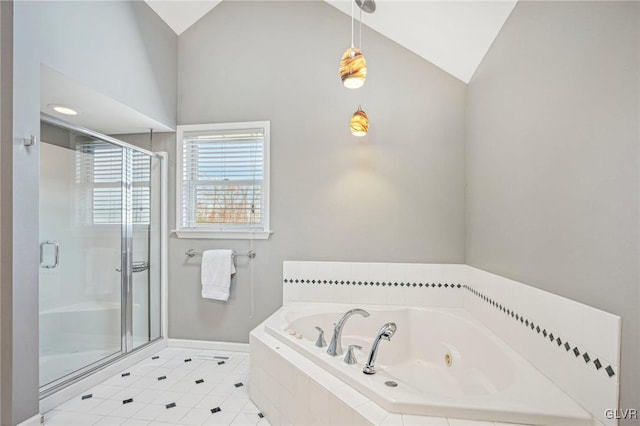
(99,168)
(223,180)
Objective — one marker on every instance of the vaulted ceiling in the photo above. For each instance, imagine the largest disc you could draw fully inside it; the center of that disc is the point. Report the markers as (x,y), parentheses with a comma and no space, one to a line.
(454,35)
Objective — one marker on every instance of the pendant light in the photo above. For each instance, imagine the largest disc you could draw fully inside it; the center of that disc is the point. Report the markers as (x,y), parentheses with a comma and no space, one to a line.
(359,123)
(353,66)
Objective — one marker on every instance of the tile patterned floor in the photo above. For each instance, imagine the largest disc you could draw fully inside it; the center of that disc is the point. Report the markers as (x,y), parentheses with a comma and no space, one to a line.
(174,387)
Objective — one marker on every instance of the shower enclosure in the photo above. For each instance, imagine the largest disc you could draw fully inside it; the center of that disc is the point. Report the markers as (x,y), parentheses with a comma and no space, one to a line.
(100,251)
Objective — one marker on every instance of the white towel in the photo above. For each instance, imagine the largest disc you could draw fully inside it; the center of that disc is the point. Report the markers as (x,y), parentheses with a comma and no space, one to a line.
(217,268)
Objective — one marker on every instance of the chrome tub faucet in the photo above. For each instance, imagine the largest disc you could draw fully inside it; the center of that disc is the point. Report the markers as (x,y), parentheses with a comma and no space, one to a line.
(335,347)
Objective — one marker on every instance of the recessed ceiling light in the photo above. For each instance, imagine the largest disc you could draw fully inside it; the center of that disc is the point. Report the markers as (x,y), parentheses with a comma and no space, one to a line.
(63,109)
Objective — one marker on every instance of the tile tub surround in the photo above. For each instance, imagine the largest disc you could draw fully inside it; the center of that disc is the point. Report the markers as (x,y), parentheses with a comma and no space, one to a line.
(486,380)
(591,377)
(292,390)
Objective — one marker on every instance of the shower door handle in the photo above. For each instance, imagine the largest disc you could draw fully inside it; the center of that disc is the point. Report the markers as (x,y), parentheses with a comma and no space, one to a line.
(56,260)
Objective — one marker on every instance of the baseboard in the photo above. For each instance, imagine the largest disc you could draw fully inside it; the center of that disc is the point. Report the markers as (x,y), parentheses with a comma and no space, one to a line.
(99,376)
(32,421)
(209,345)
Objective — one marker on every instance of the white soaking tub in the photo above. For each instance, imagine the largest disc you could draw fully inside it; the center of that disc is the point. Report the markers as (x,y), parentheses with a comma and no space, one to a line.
(485,379)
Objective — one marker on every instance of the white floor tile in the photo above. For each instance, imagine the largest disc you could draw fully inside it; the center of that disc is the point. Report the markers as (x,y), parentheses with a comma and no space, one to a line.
(221,418)
(74,419)
(149,395)
(189,400)
(250,407)
(135,422)
(104,391)
(150,412)
(234,404)
(194,401)
(195,416)
(172,415)
(80,405)
(245,419)
(111,421)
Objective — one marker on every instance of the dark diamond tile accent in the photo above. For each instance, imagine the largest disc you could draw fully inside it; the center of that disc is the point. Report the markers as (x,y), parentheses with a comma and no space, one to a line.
(420,284)
(576,352)
(260,415)
(296,281)
(125,374)
(170,405)
(439,285)
(609,371)
(155,357)
(187,360)
(559,341)
(126,401)
(586,357)
(199,381)
(286,281)
(551,337)
(446,285)
(527,323)
(538,329)
(215,410)
(239,385)
(87,396)
(459,286)
(597,363)
(531,325)
(567,346)
(220,362)
(162,377)
(517,317)
(544,332)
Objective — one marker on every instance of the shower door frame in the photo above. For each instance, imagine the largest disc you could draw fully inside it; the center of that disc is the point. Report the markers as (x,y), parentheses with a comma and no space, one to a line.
(126,306)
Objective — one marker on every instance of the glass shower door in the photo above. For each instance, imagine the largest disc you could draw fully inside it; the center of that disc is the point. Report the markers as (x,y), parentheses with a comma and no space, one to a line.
(146,231)
(81,207)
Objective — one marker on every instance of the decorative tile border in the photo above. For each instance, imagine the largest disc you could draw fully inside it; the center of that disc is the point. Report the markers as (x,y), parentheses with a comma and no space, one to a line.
(526,322)
(371,283)
(547,335)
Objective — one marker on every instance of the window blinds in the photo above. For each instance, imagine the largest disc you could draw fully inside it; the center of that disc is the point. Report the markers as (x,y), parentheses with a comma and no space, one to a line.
(99,169)
(222,179)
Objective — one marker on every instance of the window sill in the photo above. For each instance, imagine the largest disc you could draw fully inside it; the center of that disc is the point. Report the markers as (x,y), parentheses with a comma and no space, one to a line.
(222,235)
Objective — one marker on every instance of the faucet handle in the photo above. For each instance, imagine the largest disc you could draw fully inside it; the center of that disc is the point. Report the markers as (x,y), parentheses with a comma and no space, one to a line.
(350,357)
(320,342)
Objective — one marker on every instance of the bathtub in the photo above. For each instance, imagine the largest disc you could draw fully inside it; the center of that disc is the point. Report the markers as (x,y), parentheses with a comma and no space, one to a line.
(444,363)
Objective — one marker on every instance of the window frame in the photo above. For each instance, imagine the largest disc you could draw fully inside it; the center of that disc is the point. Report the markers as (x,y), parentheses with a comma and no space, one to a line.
(212,232)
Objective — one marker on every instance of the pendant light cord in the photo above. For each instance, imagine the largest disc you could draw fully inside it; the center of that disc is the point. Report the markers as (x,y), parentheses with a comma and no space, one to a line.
(360,31)
(352,3)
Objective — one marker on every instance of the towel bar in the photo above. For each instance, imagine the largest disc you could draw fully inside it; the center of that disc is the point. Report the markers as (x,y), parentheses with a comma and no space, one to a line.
(192,253)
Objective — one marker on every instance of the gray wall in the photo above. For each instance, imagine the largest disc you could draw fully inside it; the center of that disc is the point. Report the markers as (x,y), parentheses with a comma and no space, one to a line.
(6,179)
(553,159)
(396,195)
(121,49)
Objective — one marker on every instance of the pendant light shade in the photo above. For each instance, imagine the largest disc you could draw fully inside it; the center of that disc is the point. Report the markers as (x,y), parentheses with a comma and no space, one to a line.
(359,123)
(353,68)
